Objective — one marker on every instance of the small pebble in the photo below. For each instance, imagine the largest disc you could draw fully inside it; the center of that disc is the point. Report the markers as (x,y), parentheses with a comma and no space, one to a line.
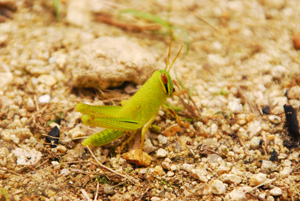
(218,187)
(76,132)
(61,149)
(268,166)
(30,105)
(14,138)
(274,156)
(294,93)
(294,156)
(27,156)
(200,174)
(285,172)
(56,165)
(48,80)
(254,127)
(213,129)
(275,4)
(238,194)
(235,107)
(173,167)
(44,99)
(274,119)
(161,153)
(187,167)
(266,109)
(276,191)
(148,146)
(65,172)
(278,71)
(231,178)
(162,139)
(3,39)
(155,199)
(255,142)
(170,174)
(257,179)
(214,158)
(158,170)
(296,40)
(108,189)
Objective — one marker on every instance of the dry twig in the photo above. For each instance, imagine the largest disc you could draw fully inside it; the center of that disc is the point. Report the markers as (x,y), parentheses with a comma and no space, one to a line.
(111,170)
(126,26)
(84,195)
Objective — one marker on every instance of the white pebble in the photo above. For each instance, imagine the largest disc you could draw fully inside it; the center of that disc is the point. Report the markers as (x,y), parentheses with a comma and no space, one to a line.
(294,156)
(54,163)
(162,139)
(278,71)
(108,189)
(253,128)
(48,80)
(294,92)
(187,167)
(173,167)
(276,191)
(61,149)
(148,146)
(218,187)
(15,139)
(231,178)
(285,172)
(200,174)
(30,104)
(170,174)
(26,156)
(155,199)
(274,119)
(268,166)
(257,179)
(161,153)
(65,172)
(213,129)
(238,194)
(276,4)
(234,106)
(255,142)
(214,158)
(44,99)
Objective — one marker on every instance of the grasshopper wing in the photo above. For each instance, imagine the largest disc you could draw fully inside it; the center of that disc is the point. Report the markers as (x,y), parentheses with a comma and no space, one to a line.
(98,111)
(116,123)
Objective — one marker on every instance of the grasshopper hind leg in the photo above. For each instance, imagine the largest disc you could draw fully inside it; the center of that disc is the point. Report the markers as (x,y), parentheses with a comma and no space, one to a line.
(102,138)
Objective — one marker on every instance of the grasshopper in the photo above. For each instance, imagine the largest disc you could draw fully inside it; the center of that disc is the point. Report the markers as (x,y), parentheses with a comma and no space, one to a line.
(138,113)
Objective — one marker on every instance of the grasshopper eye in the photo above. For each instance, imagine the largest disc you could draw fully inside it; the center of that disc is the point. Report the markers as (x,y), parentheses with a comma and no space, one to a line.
(164,78)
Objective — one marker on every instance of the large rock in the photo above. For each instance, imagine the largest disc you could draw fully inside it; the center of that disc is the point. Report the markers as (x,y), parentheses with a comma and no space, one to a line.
(111,61)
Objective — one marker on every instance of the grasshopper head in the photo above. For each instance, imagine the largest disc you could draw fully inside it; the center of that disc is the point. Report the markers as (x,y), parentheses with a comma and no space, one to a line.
(166,82)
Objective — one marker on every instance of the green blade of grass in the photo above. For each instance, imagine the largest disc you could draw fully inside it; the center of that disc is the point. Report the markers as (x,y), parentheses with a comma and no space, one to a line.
(154,18)
(147,16)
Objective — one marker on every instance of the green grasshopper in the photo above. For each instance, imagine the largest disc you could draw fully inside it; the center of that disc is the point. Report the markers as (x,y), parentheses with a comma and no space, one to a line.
(138,113)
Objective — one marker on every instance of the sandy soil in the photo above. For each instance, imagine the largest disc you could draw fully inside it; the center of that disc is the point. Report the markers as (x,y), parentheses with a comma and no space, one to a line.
(242,62)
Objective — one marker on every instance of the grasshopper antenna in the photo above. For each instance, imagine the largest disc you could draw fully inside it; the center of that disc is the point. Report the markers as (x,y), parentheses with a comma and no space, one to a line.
(175,58)
(168,59)
(170,44)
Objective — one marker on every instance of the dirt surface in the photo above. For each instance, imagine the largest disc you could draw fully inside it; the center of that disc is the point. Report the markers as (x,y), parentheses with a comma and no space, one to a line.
(241,68)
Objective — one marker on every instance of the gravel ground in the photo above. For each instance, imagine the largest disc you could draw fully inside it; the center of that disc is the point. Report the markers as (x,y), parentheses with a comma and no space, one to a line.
(241,69)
